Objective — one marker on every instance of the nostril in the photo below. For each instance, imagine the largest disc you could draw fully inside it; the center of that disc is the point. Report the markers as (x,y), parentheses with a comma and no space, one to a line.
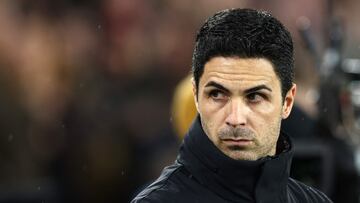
(235,124)
(231,124)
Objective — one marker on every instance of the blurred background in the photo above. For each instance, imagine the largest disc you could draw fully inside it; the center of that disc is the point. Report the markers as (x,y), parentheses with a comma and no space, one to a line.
(88,112)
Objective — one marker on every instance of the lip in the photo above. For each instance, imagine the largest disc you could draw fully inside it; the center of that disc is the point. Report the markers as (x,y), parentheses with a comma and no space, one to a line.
(238,142)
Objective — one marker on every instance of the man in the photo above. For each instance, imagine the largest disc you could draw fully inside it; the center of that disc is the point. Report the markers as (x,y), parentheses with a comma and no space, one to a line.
(243,87)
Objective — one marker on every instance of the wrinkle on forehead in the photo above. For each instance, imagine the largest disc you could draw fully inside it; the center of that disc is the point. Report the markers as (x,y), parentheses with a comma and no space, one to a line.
(234,66)
(238,71)
(239,77)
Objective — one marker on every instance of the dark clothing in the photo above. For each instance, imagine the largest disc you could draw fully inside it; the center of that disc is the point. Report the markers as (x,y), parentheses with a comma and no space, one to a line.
(202,173)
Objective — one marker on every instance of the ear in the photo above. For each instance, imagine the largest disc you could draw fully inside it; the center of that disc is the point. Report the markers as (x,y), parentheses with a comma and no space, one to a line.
(288,101)
(195,93)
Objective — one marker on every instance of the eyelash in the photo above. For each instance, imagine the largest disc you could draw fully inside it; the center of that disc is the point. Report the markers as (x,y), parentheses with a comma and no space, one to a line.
(254,94)
(213,92)
(262,96)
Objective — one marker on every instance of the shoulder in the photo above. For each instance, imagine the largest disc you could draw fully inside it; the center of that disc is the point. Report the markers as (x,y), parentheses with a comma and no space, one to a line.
(164,189)
(299,191)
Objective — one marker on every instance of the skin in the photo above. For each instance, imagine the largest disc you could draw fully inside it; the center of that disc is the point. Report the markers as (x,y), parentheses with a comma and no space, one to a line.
(240,105)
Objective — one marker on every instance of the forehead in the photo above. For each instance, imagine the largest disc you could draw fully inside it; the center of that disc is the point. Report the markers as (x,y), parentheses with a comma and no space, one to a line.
(239,71)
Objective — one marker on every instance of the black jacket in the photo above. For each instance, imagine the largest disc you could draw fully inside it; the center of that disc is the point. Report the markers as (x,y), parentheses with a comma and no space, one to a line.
(202,173)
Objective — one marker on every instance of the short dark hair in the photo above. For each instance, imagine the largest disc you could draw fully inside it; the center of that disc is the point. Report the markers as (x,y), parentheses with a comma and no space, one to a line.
(245,33)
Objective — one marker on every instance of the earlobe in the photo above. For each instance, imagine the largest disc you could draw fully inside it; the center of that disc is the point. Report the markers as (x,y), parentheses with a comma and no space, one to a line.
(289,101)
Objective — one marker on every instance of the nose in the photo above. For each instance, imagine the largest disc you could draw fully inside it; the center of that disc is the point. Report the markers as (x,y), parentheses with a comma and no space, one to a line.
(237,113)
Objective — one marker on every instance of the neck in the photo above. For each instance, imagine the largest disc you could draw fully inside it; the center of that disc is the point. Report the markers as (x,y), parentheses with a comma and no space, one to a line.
(234,179)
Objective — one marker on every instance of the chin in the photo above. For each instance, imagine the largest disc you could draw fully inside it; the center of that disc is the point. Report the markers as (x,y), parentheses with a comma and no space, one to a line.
(242,156)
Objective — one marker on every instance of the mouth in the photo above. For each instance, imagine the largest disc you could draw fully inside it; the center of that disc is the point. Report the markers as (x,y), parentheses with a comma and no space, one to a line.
(237,142)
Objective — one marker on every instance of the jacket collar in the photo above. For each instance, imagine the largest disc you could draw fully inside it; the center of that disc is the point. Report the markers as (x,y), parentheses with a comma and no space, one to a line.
(264,180)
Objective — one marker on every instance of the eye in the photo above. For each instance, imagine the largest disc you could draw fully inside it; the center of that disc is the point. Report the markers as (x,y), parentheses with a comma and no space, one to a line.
(217,95)
(255,97)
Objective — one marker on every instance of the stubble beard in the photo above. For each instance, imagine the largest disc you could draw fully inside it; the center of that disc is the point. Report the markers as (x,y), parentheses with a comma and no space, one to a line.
(259,150)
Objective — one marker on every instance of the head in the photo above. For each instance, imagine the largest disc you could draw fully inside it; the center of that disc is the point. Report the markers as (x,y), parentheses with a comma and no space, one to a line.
(243,81)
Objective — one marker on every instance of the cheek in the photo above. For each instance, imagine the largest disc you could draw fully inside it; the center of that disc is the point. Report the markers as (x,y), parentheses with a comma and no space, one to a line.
(208,108)
(268,126)
(212,116)
(268,109)
(208,117)
(265,117)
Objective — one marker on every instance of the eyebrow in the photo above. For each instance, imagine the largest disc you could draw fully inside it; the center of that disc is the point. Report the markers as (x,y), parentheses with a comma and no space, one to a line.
(257,88)
(217,85)
(253,89)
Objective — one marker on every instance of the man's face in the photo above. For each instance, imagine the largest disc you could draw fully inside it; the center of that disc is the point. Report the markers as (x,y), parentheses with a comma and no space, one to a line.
(241,107)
